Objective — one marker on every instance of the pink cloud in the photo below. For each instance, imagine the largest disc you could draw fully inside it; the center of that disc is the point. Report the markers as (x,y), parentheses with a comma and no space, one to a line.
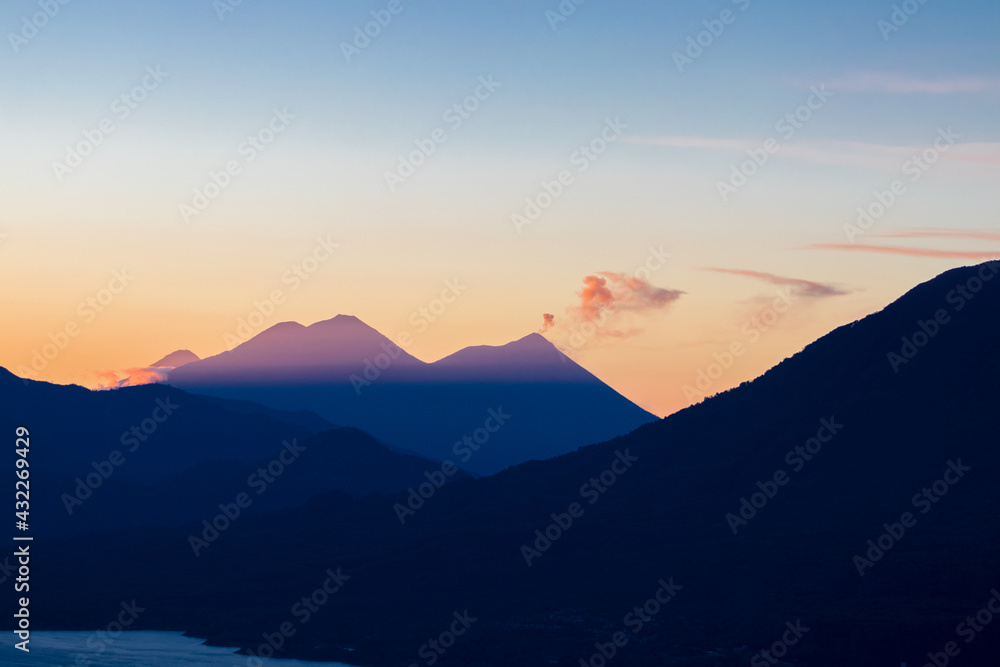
(829,152)
(931,232)
(800,288)
(914,252)
(609,301)
(133,377)
(891,82)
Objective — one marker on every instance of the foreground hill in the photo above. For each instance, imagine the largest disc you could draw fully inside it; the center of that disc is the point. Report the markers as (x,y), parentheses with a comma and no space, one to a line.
(839,510)
(485,408)
(155,456)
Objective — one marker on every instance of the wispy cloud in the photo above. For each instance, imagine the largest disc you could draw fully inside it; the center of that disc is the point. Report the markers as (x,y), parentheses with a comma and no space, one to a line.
(843,153)
(975,152)
(799,287)
(896,83)
(913,252)
(830,152)
(677,141)
(939,232)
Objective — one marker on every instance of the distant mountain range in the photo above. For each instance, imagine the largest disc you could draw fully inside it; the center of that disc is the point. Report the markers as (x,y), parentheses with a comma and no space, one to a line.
(485,408)
(839,510)
(156,455)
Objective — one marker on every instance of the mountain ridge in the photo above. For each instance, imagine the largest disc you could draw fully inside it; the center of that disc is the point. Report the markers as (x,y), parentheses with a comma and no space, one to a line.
(664,518)
(352,375)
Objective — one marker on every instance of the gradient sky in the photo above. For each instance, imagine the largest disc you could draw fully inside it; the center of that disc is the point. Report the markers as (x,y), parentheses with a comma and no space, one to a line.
(656,186)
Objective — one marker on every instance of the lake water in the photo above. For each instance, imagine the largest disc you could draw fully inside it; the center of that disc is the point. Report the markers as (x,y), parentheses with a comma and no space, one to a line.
(130,649)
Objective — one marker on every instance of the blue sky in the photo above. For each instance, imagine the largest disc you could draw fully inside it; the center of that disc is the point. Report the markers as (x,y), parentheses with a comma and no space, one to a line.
(606,58)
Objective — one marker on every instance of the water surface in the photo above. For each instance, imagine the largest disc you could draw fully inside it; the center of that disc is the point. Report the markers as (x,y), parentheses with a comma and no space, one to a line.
(130,649)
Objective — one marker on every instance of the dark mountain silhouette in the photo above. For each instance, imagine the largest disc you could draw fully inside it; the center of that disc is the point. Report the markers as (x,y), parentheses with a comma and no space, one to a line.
(860,439)
(167,429)
(156,456)
(350,374)
(305,418)
(348,460)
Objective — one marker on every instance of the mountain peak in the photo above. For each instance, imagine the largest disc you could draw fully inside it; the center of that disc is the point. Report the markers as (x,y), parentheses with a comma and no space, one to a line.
(341,321)
(343,342)
(534,339)
(279,329)
(176,359)
(530,357)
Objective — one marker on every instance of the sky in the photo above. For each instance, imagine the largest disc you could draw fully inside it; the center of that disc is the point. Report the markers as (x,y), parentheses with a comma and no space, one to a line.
(665,180)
